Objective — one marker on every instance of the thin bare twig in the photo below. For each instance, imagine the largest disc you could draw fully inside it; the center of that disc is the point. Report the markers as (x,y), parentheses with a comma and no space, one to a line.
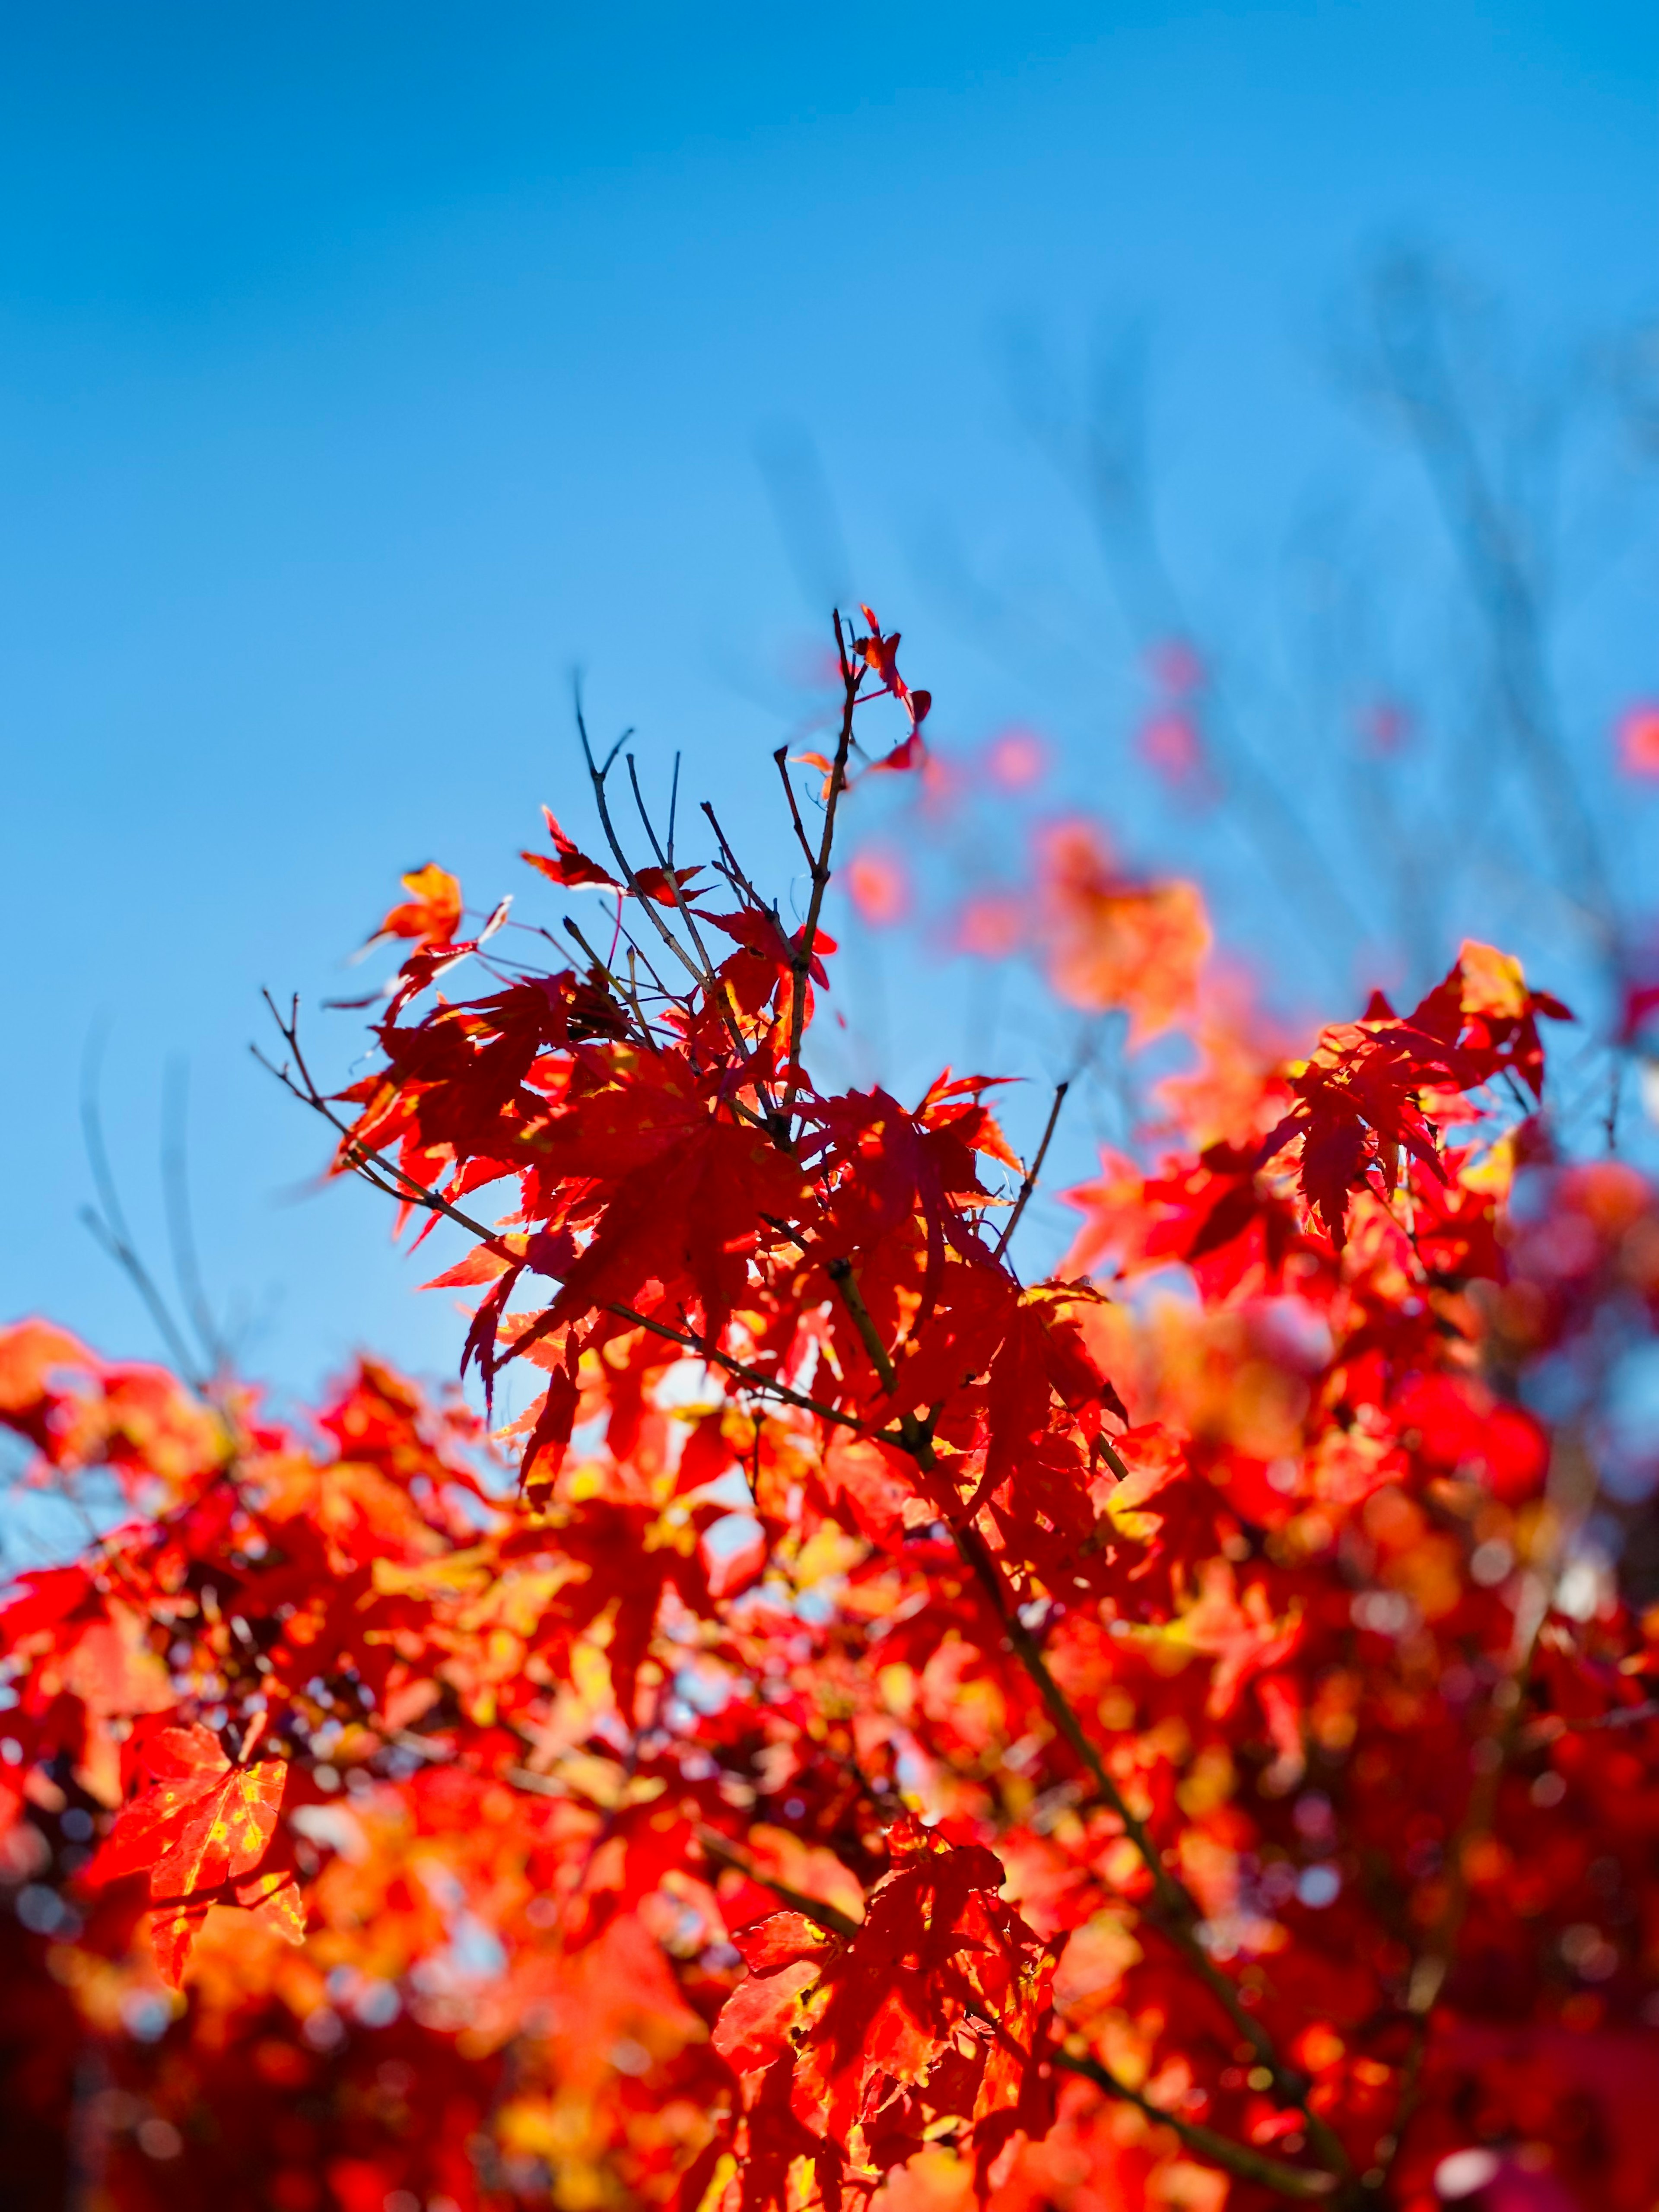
(851,676)
(181,1235)
(597,776)
(1408,307)
(1033,1171)
(108,1220)
(1178,1914)
(1621,1716)
(390,1178)
(715,996)
(733,870)
(781,762)
(754,1376)
(666,862)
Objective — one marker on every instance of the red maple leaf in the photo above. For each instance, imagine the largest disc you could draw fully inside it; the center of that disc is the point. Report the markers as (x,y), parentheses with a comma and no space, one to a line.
(202,1832)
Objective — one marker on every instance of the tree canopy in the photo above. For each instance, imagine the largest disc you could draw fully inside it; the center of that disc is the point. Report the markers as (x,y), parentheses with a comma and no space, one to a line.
(874,1730)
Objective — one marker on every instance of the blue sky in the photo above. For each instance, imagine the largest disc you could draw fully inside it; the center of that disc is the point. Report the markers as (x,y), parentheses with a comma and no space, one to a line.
(362,370)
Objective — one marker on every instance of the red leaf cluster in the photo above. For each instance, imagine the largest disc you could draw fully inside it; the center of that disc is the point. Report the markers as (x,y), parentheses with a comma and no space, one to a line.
(901,1735)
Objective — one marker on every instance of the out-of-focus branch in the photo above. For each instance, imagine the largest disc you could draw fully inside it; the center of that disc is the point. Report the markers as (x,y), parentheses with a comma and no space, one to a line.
(182,1233)
(107,1223)
(1408,318)
(1103,461)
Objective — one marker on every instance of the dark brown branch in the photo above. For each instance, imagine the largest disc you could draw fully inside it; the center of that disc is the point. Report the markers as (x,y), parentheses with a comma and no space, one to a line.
(1221,2150)
(781,762)
(181,1232)
(1621,1716)
(840,1272)
(829,1918)
(734,873)
(716,997)
(374,1168)
(754,1376)
(666,862)
(1434,1962)
(1033,1171)
(1237,2158)
(1177,1913)
(626,992)
(851,676)
(597,776)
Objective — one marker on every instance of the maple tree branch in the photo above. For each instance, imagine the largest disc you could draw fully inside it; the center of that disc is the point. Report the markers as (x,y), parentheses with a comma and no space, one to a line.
(716,997)
(627,992)
(636,952)
(1178,1914)
(1033,1171)
(1176,1904)
(829,1918)
(840,1272)
(851,676)
(1615,1089)
(781,762)
(374,1166)
(598,775)
(1620,1716)
(755,1376)
(182,1233)
(1101,460)
(666,862)
(106,1221)
(1420,375)
(116,1246)
(1434,1962)
(732,870)
(1250,2165)
(1237,2158)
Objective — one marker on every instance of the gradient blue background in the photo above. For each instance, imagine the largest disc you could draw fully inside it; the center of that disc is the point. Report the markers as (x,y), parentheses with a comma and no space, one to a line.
(363,369)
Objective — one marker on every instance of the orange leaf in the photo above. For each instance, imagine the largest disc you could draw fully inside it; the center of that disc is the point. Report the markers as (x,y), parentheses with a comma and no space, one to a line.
(432,913)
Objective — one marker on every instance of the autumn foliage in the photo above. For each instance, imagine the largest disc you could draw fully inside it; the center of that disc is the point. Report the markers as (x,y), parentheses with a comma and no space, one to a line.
(872,1730)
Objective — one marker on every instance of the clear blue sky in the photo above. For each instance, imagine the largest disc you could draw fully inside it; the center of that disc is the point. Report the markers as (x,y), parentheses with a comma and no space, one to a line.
(362,368)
